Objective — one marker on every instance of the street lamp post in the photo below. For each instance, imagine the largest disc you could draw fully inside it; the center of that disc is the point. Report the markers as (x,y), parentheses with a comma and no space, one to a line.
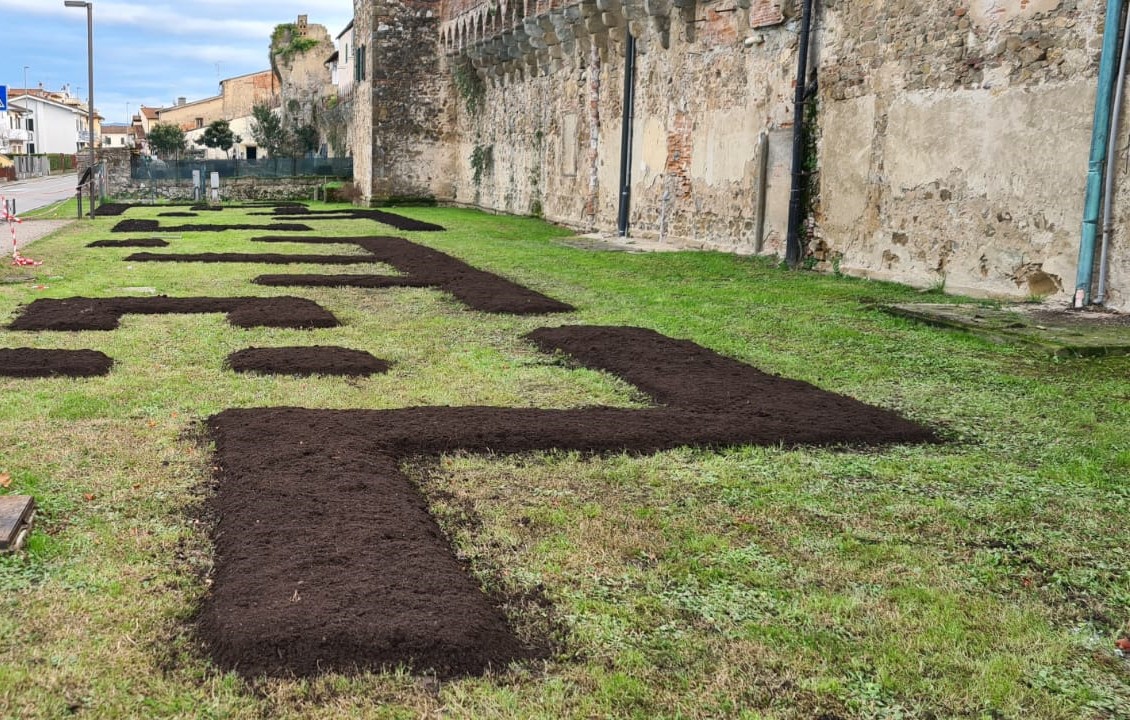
(90,86)
(31,106)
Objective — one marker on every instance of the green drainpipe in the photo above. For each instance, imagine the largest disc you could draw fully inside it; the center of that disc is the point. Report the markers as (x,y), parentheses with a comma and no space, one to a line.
(1100,132)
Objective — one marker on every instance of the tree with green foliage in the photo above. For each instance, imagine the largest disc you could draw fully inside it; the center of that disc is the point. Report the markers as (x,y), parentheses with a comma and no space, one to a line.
(167,140)
(306,139)
(268,131)
(219,134)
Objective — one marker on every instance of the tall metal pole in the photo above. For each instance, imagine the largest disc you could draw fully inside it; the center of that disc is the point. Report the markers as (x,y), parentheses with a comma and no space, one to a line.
(30,105)
(89,85)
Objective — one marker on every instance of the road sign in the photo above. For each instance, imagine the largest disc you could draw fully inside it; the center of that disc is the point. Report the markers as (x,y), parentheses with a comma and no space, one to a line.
(3,98)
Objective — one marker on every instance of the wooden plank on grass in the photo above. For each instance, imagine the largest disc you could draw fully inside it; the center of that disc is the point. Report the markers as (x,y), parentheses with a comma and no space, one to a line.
(15,520)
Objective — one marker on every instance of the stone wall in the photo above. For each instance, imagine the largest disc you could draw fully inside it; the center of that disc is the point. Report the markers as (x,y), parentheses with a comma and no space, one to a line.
(304,78)
(711,79)
(950,138)
(409,95)
(231,189)
(360,103)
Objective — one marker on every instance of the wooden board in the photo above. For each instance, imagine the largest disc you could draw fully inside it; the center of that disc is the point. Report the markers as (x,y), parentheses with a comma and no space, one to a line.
(16,512)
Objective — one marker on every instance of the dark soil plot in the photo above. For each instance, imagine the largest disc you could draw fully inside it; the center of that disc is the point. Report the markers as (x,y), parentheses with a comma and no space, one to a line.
(312,360)
(79,313)
(177,214)
(423,266)
(373,584)
(132,242)
(265,258)
(397,221)
(110,209)
(32,363)
(155,226)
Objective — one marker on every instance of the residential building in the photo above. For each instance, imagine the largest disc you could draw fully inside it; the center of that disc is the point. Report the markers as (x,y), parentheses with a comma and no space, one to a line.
(341,63)
(116,135)
(58,122)
(238,95)
(13,130)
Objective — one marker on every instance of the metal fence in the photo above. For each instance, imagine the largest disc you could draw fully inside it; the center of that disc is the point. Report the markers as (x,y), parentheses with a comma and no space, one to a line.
(143,168)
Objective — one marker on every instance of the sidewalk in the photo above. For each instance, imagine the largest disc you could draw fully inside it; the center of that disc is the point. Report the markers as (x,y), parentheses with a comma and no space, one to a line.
(27,232)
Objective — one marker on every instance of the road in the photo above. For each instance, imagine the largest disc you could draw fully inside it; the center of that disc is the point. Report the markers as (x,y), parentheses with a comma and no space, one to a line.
(37,192)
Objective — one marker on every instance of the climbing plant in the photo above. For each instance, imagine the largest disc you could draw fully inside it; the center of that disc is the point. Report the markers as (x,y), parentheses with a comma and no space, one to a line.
(286,41)
(469,85)
(482,161)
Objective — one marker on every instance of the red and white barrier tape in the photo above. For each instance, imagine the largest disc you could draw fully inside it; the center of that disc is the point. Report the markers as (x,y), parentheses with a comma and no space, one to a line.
(12,221)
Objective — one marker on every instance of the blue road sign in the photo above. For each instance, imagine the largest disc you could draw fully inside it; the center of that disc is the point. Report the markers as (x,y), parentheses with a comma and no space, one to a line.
(3,98)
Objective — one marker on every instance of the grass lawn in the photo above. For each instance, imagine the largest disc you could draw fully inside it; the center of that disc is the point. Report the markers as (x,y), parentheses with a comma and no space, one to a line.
(986,577)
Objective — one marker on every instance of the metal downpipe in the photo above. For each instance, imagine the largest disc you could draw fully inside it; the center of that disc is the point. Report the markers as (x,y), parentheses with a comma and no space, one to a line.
(629,115)
(1111,167)
(1100,134)
(796,195)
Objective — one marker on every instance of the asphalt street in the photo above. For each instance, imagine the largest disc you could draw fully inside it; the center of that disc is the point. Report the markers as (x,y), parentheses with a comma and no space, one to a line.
(37,192)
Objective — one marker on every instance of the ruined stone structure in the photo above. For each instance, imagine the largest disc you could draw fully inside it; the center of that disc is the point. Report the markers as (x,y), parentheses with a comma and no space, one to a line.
(298,61)
(949,142)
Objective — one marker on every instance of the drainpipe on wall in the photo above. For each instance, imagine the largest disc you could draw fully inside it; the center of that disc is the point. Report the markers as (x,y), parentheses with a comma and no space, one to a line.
(626,135)
(796,195)
(1100,136)
(1111,167)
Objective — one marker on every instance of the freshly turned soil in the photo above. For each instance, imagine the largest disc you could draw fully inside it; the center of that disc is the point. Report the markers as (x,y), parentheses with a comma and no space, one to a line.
(32,363)
(79,313)
(110,209)
(397,221)
(155,226)
(312,360)
(264,258)
(177,214)
(132,242)
(423,267)
(328,560)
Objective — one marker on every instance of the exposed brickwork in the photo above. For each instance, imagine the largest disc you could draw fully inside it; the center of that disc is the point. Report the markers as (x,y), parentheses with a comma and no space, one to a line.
(680,144)
(763,13)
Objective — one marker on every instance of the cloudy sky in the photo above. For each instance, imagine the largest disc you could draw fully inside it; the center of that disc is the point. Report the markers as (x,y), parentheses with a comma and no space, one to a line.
(147,52)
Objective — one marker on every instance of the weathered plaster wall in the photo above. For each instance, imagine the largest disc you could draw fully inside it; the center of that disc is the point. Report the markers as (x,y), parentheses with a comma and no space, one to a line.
(194,114)
(955,139)
(242,93)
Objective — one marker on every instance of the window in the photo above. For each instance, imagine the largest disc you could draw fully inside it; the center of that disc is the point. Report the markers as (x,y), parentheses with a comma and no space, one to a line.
(199,123)
(31,124)
(359,63)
